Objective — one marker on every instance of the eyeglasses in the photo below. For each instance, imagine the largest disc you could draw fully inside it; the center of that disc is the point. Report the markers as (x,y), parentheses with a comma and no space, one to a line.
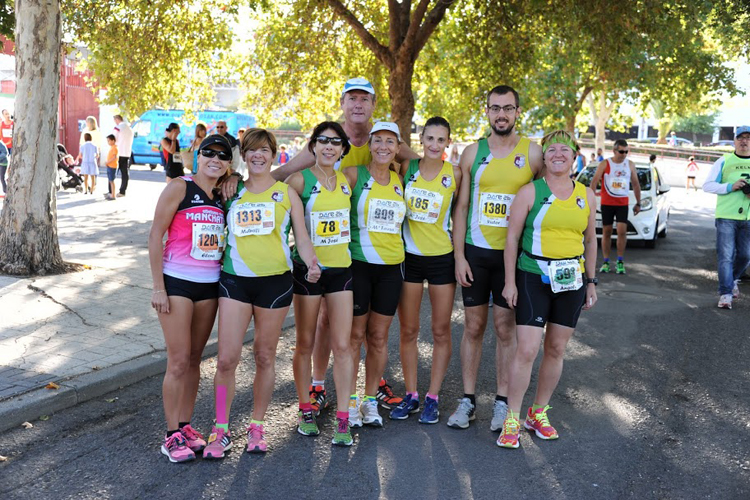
(745,138)
(324,139)
(496,109)
(222,155)
(220,126)
(622,152)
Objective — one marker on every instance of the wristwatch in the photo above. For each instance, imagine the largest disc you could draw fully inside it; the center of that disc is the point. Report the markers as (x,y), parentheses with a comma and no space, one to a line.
(595,281)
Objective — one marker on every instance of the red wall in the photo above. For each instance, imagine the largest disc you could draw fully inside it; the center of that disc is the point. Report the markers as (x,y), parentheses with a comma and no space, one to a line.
(76,103)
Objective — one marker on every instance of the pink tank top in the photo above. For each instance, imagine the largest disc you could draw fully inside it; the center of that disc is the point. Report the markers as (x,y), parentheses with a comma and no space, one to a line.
(195,239)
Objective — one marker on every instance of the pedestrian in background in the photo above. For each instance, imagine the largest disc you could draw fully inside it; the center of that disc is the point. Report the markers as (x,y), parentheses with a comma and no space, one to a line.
(6,130)
(691,170)
(200,134)
(283,155)
(111,166)
(170,150)
(124,139)
(4,153)
(89,158)
(92,128)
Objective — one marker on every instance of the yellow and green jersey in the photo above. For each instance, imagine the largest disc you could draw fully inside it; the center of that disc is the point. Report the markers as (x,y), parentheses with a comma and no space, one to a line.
(493,184)
(428,209)
(357,155)
(377,214)
(258,239)
(554,228)
(327,219)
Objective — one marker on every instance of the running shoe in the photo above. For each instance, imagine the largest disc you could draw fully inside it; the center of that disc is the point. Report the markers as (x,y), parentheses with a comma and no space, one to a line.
(463,414)
(736,289)
(539,423)
(405,408)
(194,438)
(604,268)
(306,424)
(219,441)
(343,435)
(430,413)
(725,301)
(355,417)
(175,447)
(499,412)
(256,439)
(318,398)
(510,435)
(620,267)
(385,396)
(370,415)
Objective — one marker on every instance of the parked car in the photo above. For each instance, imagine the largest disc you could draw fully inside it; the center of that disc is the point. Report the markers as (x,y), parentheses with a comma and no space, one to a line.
(681,141)
(722,143)
(653,219)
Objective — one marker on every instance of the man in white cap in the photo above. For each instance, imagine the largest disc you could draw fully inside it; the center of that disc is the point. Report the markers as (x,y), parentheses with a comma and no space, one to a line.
(729,178)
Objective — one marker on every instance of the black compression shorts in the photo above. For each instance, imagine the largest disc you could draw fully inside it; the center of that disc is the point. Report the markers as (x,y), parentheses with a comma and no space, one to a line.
(488,269)
(377,287)
(332,280)
(537,304)
(268,292)
(436,269)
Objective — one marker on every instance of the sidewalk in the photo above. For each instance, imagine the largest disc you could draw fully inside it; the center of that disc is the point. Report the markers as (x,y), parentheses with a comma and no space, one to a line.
(92,331)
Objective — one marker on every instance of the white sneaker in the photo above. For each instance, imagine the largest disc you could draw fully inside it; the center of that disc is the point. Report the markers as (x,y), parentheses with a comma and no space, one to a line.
(370,415)
(725,301)
(355,418)
(463,414)
(736,289)
(499,411)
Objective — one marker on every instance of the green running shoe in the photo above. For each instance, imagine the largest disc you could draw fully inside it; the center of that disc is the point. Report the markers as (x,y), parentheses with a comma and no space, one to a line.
(604,268)
(620,269)
(306,424)
(342,436)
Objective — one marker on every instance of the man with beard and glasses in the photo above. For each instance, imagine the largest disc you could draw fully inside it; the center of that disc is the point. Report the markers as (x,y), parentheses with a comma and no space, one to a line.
(496,168)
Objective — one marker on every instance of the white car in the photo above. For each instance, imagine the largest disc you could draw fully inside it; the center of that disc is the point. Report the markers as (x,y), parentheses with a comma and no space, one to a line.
(653,219)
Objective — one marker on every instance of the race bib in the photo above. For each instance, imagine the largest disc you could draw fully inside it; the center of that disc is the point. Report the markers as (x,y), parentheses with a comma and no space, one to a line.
(208,241)
(7,133)
(330,228)
(565,275)
(423,205)
(177,157)
(494,209)
(253,218)
(385,216)
(618,186)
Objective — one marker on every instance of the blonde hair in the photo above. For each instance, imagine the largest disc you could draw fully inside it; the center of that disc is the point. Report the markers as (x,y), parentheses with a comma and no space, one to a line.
(560,137)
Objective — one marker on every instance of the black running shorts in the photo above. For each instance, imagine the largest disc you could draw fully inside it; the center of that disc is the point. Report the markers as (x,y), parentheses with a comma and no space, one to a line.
(537,304)
(268,292)
(612,212)
(488,270)
(190,289)
(377,287)
(436,269)
(332,280)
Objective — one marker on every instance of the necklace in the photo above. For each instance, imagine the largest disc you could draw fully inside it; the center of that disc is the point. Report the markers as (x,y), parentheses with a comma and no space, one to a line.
(331,179)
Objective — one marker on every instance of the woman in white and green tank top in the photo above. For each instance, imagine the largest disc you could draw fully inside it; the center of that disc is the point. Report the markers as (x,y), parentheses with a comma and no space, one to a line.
(550,282)
(325,195)
(377,212)
(430,187)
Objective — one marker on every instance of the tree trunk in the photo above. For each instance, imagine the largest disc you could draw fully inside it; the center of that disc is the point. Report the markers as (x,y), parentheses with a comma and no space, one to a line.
(28,223)
(402,98)
(600,113)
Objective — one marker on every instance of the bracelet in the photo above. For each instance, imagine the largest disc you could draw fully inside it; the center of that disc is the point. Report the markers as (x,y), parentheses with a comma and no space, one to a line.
(159,291)
(637,204)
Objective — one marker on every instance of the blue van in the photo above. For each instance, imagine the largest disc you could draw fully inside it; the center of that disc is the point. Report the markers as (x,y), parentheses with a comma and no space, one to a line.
(149,130)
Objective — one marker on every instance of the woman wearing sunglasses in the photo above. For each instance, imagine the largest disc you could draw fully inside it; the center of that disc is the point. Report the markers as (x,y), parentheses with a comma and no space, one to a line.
(256,283)
(325,194)
(377,212)
(430,186)
(185,273)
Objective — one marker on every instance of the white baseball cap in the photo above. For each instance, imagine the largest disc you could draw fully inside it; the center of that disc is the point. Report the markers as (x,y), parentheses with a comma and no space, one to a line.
(358,84)
(389,126)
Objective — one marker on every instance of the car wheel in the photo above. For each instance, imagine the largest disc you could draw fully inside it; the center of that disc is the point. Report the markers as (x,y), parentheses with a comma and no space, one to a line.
(652,242)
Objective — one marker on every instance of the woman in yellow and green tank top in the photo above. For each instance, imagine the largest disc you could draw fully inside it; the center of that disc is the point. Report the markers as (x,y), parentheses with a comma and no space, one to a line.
(325,195)
(430,186)
(256,283)
(550,282)
(377,212)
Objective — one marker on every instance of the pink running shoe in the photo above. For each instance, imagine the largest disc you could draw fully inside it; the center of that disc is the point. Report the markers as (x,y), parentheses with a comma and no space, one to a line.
(194,438)
(175,447)
(218,442)
(256,439)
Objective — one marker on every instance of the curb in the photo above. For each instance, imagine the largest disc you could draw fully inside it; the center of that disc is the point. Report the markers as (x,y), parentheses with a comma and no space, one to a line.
(31,405)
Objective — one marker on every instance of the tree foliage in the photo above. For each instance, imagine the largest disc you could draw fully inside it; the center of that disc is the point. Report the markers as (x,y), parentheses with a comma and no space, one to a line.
(153,52)
(7,19)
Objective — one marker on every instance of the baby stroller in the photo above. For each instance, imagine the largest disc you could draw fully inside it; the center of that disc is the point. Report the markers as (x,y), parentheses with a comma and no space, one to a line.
(66,176)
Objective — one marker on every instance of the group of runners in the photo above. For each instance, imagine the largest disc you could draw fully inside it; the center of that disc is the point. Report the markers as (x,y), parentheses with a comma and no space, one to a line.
(372,221)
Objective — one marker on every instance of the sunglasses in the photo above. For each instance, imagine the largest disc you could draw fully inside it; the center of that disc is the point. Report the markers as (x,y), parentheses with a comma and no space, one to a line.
(622,152)
(210,153)
(324,139)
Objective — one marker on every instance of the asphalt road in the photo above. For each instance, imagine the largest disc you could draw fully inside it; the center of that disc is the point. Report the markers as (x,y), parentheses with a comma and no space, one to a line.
(653,403)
